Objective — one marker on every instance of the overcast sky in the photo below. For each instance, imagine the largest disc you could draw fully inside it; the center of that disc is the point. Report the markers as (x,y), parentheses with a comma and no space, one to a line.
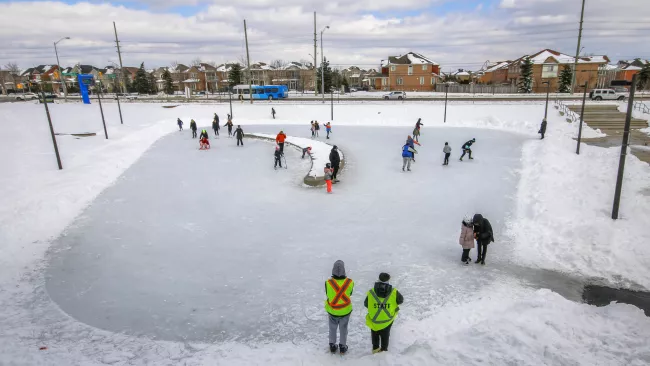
(454,33)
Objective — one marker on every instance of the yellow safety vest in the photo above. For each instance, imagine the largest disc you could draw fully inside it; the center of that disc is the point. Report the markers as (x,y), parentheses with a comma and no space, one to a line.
(338,296)
(381,311)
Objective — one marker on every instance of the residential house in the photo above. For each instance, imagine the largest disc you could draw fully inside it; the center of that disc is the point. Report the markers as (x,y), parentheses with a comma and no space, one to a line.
(260,73)
(179,75)
(461,76)
(409,72)
(354,75)
(208,77)
(9,82)
(547,65)
(40,75)
(223,75)
(192,80)
(295,75)
(369,79)
(494,73)
(628,68)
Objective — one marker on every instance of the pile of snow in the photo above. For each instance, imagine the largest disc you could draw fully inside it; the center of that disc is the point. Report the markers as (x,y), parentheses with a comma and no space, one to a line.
(320,152)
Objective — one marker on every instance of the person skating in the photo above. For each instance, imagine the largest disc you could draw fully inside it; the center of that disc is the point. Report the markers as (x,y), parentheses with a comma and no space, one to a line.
(416,134)
(279,139)
(335,160)
(328,129)
(328,171)
(313,129)
(316,128)
(306,150)
(273,112)
(407,155)
(467,149)
(484,236)
(193,128)
(447,151)
(180,124)
(215,124)
(466,239)
(383,305)
(239,134)
(278,157)
(204,143)
(338,305)
(204,134)
(542,128)
(229,125)
(411,143)
(418,124)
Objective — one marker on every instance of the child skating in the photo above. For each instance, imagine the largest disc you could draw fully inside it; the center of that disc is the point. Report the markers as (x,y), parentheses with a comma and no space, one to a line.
(466,239)
(447,151)
(278,157)
(328,176)
(180,124)
(193,128)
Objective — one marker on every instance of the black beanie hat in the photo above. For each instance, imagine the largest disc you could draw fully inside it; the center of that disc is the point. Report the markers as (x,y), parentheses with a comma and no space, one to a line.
(384,277)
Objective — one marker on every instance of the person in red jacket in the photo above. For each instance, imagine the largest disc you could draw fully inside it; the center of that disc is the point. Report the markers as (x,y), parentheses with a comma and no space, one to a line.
(279,139)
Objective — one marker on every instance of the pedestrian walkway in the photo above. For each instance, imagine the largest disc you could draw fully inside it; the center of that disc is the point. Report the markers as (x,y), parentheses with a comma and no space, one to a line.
(606,117)
(639,142)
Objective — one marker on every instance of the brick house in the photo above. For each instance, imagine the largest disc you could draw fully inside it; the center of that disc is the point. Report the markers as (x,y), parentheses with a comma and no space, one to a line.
(36,76)
(409,72)
(547,65)
(295,75)
(628,68)
(496,73)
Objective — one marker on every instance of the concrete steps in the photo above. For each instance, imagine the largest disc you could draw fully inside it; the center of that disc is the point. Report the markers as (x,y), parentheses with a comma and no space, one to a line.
(606,117)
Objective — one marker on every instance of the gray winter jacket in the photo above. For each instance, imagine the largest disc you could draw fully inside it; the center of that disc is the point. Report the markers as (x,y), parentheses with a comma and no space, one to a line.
(328,173)
(447,149)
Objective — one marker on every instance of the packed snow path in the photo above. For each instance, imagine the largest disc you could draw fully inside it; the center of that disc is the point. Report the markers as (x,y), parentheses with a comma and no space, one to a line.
(217,245)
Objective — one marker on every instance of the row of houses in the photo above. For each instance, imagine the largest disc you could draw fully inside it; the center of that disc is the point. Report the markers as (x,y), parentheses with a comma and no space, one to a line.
(409,72)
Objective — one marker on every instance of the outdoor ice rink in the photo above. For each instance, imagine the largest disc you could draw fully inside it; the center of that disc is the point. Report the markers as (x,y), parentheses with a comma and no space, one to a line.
(146,250)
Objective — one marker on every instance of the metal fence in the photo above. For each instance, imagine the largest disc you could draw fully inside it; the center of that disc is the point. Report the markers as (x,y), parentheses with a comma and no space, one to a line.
(478,89)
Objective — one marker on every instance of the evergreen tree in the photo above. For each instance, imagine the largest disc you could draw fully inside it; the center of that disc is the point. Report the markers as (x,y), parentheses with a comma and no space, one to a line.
(326,71)
(168,86)
(141,82)
(643,80)
(235,75)
(526,83)
(153,85)
(565,79)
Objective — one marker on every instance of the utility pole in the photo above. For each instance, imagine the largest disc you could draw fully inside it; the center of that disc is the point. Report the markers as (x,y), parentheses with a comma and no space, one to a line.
(119,55)
(626,138)
(315,50)
(248,60)
(582,113)
(575,61)
(49,120)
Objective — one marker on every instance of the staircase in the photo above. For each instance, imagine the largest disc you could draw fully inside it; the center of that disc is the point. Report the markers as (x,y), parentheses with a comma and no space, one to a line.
(606,117)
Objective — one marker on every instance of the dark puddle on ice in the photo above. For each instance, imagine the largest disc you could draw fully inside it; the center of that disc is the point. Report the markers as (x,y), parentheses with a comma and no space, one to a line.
(580,289)
(603,296)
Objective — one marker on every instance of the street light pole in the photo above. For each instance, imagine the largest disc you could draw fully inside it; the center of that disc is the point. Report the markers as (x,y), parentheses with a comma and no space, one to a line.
(446,90)
(58,65)
(322,64)
(626,138)
(582,112)
(230,98)
(548,88)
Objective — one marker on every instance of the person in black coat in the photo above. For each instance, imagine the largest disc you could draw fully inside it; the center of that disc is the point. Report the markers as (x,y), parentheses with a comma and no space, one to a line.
(542,128)
(273,112)
(239,134)
(215,124)
(484,236)
(467,149)
(335,160)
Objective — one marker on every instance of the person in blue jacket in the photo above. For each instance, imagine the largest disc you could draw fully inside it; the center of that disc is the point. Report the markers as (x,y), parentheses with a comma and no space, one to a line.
(411,143)
(407,156)
(467,149)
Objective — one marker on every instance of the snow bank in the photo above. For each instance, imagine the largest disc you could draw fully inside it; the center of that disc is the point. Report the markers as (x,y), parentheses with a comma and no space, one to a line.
(320,155)
(564,204)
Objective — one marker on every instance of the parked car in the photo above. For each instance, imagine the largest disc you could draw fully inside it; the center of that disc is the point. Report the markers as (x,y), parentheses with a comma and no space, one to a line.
(395,95)
(621,90)
(201,93)
(353,89)
(26,96)
(605,94)
(131,97)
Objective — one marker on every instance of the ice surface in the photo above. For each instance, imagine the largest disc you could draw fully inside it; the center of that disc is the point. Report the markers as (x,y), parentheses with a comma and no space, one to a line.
(207,245)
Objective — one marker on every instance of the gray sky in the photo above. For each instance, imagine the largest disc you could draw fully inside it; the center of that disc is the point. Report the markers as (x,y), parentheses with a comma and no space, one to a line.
(456,34)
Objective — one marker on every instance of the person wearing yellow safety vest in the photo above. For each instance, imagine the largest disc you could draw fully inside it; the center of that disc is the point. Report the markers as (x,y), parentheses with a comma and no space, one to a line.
(338,306)
(382,303)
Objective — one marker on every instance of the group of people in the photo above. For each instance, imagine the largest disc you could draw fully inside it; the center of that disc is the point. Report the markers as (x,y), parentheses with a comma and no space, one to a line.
(409,151)
(204,142)
(382,302)
(315,128)
(478,229)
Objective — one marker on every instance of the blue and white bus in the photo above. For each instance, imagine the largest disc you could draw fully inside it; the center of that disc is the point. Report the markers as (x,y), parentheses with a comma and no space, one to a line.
(268,92)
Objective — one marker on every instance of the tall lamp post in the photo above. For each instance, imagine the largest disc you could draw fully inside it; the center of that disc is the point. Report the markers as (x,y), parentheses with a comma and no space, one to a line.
(58,65)
(548,89)
(582,113)
(322,62)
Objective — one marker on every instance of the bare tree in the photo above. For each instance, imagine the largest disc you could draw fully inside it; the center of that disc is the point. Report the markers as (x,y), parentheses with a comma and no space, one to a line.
(196,62)
(13,69)
(308,63)
(174,64)
(278,64)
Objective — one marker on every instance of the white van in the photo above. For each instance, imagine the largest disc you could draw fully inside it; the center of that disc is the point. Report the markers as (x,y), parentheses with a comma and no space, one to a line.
(605,94)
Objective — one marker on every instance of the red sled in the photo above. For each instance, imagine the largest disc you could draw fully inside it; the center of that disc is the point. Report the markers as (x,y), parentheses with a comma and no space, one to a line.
(204,144)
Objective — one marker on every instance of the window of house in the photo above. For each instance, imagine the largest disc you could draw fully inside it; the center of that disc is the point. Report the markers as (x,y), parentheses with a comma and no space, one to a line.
(410,69)
(424,67)
(393,68)
(400,81)
(433,81)
(421,80)
(384,81)
(549,71)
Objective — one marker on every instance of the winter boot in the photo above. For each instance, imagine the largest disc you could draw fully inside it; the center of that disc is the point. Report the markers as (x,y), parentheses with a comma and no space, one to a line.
(478,260)
(483,262)
(333,348)
(376,350)
(343,349)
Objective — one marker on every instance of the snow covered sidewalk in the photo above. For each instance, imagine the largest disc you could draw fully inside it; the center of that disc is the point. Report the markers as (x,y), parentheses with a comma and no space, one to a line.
(320,153)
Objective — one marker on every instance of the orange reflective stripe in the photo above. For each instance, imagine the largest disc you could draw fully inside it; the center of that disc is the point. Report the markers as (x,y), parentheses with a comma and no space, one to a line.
(340,294)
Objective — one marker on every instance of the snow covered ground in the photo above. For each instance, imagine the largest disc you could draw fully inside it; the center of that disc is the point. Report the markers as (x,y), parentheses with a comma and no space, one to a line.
(138,219)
